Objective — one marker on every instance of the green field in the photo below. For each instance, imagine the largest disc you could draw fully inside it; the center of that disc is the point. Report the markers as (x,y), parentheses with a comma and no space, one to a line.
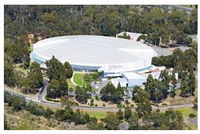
(83,79)
(94,90)
(187,110)
(97,114)
(70,84)
(19,67)
(78,79)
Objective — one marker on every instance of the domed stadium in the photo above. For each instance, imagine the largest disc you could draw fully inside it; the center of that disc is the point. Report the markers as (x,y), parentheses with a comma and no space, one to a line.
(94,53)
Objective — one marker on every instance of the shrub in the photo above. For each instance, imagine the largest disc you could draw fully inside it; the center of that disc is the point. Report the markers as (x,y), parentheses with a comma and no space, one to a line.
(127,102)
(92,102)
(17,102)
(119,105)
(34,108)
(132,105)
(7,97)
(191,115)
(67,101)
(97,97)
(48,113)
(51,99)
(123,106)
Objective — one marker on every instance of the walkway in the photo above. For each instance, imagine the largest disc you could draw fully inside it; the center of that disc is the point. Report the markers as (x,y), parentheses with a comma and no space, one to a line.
(72,80)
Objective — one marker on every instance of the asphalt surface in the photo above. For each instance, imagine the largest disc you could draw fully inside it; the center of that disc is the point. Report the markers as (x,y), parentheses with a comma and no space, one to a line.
(41,100)
(43,91)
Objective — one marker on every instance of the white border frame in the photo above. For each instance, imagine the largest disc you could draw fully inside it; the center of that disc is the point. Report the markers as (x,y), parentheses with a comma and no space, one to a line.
(85,2)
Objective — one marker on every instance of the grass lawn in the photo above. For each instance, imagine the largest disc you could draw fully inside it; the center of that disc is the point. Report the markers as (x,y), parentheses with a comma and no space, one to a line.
(187,110)
(177,92)
(30,48)
(94,90)
(78,79)
(70,84)
(20,68)
(82,79)
(97,114)
(192,127)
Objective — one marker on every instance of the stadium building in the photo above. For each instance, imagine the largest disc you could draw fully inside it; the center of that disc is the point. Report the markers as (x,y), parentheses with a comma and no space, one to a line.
(111,55)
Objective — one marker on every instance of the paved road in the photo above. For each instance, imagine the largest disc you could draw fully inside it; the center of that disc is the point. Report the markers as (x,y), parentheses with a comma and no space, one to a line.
(43,91)
(43,101)
(72,80)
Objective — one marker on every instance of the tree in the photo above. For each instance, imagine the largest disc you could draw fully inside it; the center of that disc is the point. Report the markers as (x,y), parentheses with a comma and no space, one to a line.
(164,77)
(20,80)
(63,87)
(195,102)
(77,117)
(192,83)
(35,109)
(7,97)
(185,89)
(193,22)
(68,114)
(14,51)
(80,118)
(57,89)
(26,59)
(133,121)
(59,115)
(170,120)
(107,91)
(155,21)
(53,89)
(118,94)
(64,115)
(142,102)
(9,75)
(127,113)
(17,48)
(134,92)
(109,21)
(110,93)
(18,103)
(158,89)
(35,77)
(177,56)
(120,114)
(155,120)
(94,125)
(149,84)
(69,71)
(175,119)
(55,69)
(111,121)
(48,113)
(173,85)
(81,94)
(125,36)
